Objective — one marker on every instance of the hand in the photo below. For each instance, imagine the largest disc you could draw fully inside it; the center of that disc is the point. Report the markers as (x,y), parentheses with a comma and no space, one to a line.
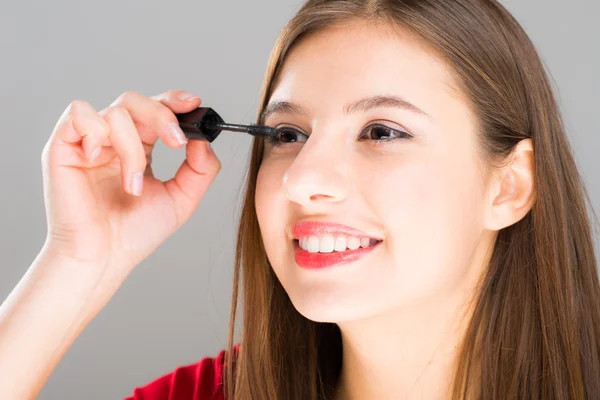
(104,207)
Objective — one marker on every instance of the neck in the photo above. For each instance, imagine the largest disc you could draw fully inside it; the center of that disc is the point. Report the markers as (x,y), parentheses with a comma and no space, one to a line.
(408,353)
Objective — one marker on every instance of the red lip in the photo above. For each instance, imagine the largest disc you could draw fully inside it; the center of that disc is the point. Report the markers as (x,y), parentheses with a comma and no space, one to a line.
(315,228)
(323,260)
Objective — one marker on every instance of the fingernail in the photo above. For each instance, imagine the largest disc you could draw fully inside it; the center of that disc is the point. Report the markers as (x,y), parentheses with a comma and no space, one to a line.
(209,147)
(94,154)
(177,133)
(185,96)
(137,183)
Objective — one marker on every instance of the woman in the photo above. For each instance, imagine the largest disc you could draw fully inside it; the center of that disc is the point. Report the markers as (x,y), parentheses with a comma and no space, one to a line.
(417,229)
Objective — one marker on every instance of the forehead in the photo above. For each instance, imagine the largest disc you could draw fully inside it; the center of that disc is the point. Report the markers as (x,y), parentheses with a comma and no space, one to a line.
(330,68)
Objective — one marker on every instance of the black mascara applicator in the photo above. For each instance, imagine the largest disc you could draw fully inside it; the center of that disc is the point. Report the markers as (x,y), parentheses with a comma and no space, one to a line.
(205,124)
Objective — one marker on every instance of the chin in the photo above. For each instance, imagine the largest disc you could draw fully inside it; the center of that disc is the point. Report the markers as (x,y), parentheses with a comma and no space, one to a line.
(320,307)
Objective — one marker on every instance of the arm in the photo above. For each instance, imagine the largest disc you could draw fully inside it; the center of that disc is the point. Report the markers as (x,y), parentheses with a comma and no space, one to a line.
(39,321)
(99,191)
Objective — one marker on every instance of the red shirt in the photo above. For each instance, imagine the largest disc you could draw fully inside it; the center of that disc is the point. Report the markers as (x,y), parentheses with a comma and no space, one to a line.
(200,381)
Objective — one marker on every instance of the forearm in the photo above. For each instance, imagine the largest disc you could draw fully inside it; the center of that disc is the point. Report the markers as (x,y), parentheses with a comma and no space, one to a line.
(39,321)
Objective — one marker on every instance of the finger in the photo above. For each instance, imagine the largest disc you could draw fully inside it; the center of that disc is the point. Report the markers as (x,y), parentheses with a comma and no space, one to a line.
(193,177)
(157,115)
(178,101)
(126,142)
(79,132)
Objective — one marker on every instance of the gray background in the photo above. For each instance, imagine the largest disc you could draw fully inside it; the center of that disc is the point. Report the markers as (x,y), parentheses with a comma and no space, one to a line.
(174,308)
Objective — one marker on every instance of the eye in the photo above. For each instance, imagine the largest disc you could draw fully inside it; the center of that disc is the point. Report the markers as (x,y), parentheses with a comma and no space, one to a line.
(378,133)
(383,133)
(286,135)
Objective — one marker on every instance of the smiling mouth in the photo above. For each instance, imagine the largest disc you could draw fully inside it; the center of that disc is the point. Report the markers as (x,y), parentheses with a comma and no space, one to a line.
(317,260)
(313,246)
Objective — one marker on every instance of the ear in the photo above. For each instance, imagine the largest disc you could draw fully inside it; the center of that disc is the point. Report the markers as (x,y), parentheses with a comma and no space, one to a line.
(512,188)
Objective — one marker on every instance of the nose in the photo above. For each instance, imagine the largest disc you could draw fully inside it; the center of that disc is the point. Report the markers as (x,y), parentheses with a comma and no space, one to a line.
(318,176)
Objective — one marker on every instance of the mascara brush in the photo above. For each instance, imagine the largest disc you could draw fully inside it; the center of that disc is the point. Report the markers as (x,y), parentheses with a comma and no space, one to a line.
(253,129)
(205,124)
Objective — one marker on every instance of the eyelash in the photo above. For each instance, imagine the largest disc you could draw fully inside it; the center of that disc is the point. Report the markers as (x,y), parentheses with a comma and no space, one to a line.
(398,134)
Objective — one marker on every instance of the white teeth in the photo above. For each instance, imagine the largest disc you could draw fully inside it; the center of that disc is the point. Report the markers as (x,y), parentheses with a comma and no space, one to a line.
(326,244)
(353,243)
(340,243)
(312,244)
(329,243)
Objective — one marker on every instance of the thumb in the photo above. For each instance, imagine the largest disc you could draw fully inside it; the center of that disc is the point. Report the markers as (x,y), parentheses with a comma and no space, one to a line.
(193,177)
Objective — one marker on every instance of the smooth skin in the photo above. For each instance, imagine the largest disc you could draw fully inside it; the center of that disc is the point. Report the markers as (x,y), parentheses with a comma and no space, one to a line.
(431,198)
(98,216)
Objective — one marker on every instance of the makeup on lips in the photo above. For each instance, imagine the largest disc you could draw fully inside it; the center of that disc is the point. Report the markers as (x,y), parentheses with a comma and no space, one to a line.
(320,245)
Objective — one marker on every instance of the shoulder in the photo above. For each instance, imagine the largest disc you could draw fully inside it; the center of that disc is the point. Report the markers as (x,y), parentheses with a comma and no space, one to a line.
(199,381)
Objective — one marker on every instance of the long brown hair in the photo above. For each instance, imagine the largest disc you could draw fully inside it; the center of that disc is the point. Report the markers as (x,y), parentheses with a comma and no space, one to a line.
(535,328)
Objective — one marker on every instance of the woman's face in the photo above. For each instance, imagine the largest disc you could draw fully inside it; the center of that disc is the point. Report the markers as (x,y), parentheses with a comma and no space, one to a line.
(422,194)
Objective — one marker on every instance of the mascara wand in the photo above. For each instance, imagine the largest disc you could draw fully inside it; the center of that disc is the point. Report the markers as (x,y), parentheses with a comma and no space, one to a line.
(253,129)
(205,124)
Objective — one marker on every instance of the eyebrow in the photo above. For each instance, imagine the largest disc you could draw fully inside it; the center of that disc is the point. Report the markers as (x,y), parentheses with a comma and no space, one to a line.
(362,105)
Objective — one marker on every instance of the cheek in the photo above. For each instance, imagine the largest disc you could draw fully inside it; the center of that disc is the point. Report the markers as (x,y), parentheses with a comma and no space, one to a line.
(268,185)
(270,206)
(431,208)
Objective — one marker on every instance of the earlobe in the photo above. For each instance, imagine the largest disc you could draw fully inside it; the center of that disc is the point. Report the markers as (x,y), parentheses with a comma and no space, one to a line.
(514,189)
